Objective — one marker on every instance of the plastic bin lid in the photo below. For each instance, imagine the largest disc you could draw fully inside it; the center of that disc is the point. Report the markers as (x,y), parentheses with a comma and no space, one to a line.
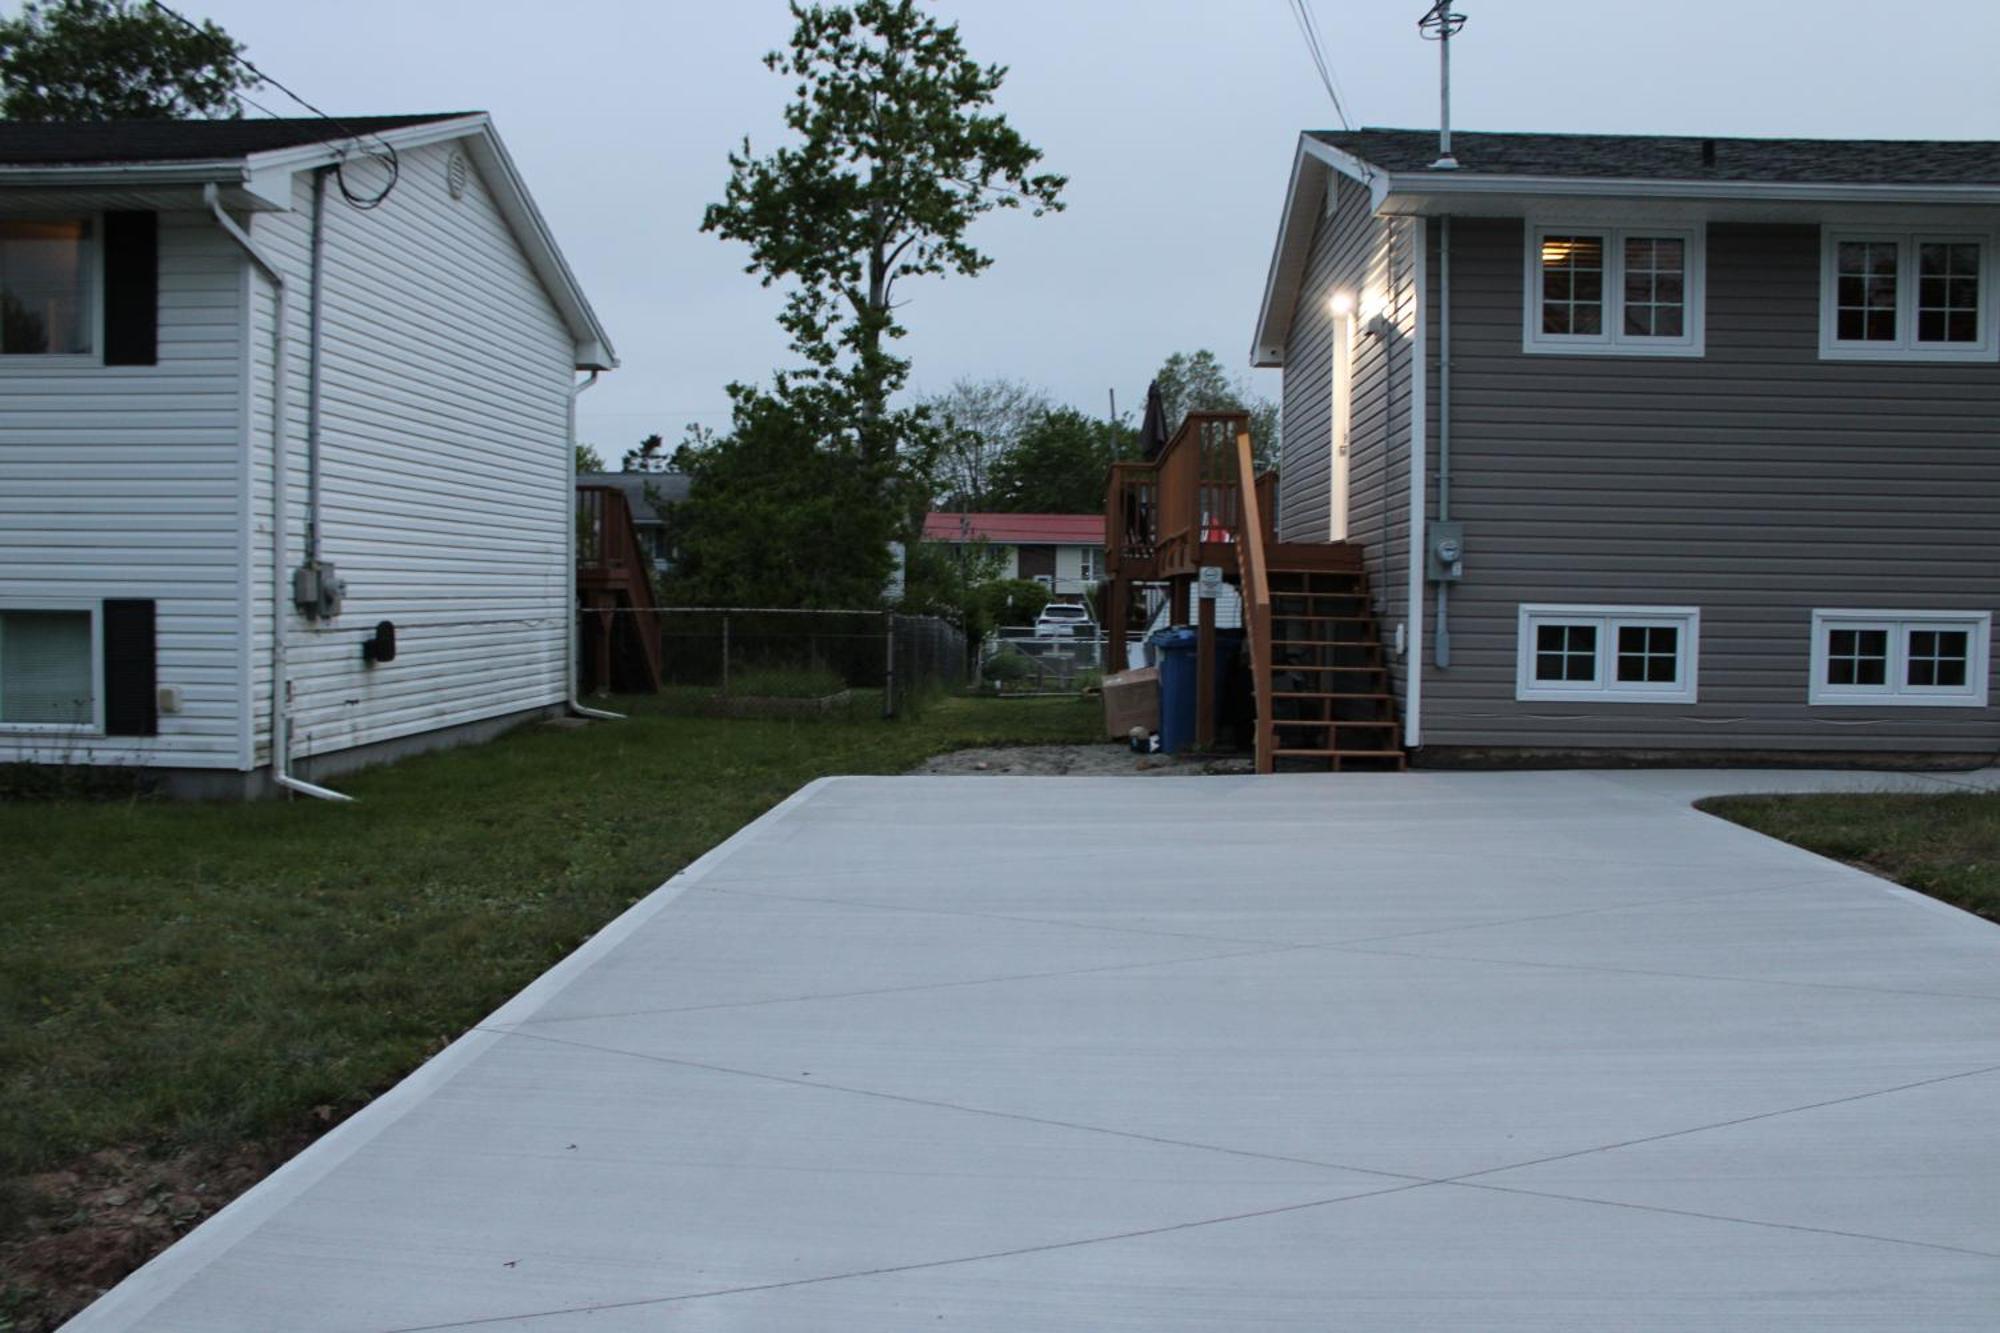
(1173,637)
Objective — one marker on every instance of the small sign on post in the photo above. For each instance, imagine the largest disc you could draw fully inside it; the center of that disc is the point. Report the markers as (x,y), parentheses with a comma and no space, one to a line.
(1210,583)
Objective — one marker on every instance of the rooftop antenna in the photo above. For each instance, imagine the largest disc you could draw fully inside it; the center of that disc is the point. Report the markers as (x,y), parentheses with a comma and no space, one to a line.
(1439,25)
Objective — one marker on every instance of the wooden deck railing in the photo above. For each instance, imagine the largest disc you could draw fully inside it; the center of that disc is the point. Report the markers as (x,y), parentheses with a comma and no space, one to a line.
(1255,580)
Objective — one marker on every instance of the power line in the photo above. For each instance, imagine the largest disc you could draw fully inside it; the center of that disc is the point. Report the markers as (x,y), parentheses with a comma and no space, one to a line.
(1309,31)
(387,155)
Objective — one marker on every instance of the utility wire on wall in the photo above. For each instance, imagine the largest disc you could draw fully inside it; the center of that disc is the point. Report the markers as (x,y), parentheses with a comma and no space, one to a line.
(384,153)
(1315,48)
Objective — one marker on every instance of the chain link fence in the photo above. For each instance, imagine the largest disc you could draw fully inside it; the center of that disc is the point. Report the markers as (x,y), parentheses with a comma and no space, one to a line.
(735,653)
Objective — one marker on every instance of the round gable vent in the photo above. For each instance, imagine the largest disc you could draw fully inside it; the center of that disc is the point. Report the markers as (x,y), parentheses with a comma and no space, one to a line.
(455,172)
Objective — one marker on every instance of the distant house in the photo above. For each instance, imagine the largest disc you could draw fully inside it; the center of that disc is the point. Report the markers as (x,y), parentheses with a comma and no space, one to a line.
(1653,446)
(649,495)
(248,366)
(1062,552)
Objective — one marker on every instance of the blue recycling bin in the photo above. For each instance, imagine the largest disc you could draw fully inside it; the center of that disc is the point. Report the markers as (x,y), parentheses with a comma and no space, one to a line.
(1174,650)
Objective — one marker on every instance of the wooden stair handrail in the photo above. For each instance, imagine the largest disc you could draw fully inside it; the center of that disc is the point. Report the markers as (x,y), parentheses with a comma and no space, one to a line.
(1255,591)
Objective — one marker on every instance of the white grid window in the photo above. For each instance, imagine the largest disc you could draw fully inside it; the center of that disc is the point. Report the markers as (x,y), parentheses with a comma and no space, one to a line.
(1619,291)
(1907,296)
(1920,658)
(1608,654)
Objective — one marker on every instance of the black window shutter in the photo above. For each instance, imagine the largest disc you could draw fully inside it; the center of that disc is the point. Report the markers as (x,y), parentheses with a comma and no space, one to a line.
(131,289)
(131,707)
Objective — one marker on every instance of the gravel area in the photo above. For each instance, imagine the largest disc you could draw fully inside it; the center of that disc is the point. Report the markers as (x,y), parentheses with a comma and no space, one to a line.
(1109,759)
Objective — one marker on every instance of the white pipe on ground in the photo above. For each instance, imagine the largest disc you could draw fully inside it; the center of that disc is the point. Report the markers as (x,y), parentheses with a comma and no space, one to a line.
(281,749)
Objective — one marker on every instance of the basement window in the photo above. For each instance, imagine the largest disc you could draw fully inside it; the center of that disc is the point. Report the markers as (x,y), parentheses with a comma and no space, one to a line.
(1912,658)
(48,669)
(1607,654)
(1615,291)
(1906,296)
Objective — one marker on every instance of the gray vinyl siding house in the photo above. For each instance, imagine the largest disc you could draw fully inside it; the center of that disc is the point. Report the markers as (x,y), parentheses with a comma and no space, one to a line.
(1715,422)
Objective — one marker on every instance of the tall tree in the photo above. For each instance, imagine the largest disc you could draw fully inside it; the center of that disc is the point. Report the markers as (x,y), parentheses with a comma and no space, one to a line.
(1196,382)
(116,60)
(980,422)
(1058,465)
(897,153)
(649,455)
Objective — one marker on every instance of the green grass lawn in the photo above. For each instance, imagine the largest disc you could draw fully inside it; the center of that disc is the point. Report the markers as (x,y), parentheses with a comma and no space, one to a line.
(179,976)
(1947,846)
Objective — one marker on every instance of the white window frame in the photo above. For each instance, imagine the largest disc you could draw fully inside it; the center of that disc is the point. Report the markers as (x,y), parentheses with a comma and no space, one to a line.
(1905,347)
(1604,687)
(35,362)
(1614,341)
(1895,691)
(94,727)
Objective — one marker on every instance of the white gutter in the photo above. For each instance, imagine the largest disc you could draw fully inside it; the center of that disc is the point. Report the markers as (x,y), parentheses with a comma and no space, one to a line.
(1467,183)
(281,739)
(1413,670)
(574,628)
(1444,432)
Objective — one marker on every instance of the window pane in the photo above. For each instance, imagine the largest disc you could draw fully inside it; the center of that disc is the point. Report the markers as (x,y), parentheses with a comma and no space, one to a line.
(1857,657)
(1648,654)
(1937,658)
(1566,654)
(1572,284)
(45,667)
(1865,291)
(1948,292)
(45,298)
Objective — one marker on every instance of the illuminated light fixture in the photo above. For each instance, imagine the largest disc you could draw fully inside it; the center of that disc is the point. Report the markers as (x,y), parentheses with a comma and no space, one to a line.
(1556,252)
(1342,303)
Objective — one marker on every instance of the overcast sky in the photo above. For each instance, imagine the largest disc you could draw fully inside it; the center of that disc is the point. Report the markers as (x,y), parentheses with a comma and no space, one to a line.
(1175,121)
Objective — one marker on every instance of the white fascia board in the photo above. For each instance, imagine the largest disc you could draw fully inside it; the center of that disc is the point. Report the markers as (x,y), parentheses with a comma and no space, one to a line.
(269,175)
(170,180)
(1310,164)
(1423,192)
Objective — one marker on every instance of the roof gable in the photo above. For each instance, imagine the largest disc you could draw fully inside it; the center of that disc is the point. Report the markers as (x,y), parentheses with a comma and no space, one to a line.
(255,161)
(1502,174)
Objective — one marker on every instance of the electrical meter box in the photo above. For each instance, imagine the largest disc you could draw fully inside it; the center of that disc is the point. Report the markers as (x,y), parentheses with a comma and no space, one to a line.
(1444,559)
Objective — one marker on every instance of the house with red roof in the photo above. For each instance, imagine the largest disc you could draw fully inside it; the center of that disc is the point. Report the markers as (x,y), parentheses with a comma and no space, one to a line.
(1062,552)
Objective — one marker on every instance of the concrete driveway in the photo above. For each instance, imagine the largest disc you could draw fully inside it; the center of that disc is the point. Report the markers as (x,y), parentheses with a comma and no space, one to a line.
(1419,1051)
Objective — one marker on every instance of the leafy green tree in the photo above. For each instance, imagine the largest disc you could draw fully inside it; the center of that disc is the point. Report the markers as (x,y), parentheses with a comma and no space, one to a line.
(588,459)
(1196,382)
(1057,466)
(897,152)
(980,422)
(774,518)
(116,60)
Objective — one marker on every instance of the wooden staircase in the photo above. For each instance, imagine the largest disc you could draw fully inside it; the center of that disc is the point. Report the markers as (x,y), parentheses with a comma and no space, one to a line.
(620,620)
(1329,698)
(1321,679)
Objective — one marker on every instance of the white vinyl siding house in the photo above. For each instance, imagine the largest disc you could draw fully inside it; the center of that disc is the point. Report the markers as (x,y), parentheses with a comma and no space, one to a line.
(449,334)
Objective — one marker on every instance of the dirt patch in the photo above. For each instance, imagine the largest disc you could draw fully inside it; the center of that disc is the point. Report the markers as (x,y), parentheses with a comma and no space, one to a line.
(96,1220)
(1107,760)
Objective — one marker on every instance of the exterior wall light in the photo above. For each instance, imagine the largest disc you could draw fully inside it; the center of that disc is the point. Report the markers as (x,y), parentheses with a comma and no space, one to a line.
(1342,303)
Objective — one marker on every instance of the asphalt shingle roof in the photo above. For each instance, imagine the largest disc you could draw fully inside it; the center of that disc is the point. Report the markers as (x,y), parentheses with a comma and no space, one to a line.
(67,143)
(1656,157)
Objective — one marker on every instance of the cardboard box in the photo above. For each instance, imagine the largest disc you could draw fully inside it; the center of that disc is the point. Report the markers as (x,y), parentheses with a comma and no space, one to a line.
(1132,699)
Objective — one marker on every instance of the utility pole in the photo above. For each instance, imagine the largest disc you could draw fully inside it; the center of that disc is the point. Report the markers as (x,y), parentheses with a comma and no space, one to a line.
(1439,24)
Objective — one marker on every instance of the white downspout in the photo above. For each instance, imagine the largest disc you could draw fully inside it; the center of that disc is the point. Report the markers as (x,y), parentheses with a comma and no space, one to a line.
(1413,672)
(281,752)
(574,627)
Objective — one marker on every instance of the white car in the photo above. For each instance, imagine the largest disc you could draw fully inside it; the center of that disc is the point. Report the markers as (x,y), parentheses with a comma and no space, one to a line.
(1062,620)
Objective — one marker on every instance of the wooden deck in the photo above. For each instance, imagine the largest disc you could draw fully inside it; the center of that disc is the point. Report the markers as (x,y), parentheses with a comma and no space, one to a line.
(1320,683)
